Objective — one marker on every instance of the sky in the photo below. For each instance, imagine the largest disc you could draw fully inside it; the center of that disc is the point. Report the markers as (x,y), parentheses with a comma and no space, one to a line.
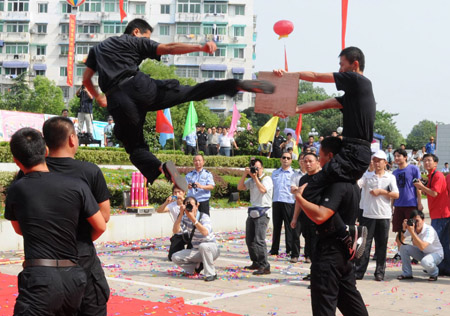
(406,44)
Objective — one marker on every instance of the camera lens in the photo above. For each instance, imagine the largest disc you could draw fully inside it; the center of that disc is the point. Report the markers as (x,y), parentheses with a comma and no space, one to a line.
(189,207)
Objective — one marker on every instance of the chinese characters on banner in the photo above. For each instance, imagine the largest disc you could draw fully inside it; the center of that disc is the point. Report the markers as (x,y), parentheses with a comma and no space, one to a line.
(70,56)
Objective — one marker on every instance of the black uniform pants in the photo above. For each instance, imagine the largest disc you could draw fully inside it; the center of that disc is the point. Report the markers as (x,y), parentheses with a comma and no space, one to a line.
(204,148)
(190,150)
(308,229)
(96,294)
(141,94)
(333,282)
(50,291)
(283,213)
(212,149)
(377,229)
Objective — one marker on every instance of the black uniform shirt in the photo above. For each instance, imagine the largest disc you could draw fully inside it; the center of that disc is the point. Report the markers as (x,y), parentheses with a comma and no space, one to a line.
(358,104)
(342,198)
(48,207)
(85,102)
(202,137)
(277,141)
(119,57)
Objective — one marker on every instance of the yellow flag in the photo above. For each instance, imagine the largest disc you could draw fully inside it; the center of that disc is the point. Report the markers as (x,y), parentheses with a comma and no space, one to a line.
(295,149)
(267,132)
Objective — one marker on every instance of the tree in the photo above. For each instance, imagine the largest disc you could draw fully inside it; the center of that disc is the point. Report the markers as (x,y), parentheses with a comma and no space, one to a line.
(385,126)
(256,119)
(98,113)
(17,97)
(46,97)
(243,121)
(420,134)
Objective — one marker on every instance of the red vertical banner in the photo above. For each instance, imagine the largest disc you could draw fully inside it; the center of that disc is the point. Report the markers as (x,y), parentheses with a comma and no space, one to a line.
(71,53)
(344,21)
(123,14)
(285,59)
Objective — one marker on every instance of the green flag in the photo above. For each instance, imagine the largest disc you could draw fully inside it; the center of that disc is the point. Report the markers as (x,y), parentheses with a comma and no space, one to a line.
(191,120)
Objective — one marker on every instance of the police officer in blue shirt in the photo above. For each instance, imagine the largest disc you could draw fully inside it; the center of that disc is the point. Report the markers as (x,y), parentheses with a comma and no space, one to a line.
(191,143)
(200,184)
(283,209)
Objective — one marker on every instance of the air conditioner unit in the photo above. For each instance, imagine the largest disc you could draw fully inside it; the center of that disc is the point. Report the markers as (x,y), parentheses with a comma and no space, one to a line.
(40,58)
(66,16)
(235,39)
(34,58)
(33,30)
(165,59)
(64,36)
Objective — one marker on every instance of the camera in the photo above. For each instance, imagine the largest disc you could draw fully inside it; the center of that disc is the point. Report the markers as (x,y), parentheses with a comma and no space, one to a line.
(253,169)
(416,180)
(193,185)
(411,222)
(189,207)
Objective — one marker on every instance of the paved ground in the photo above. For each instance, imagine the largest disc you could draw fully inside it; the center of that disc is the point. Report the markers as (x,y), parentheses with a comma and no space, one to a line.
(141,270)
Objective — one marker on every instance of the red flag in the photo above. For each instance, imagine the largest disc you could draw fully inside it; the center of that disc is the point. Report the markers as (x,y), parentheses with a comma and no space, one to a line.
(123,14)
(299,127)
(162,123)
(285,59)
(71,53)
(344,21)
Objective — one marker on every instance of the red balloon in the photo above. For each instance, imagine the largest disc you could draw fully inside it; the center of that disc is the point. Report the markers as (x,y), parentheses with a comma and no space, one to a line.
(283,28)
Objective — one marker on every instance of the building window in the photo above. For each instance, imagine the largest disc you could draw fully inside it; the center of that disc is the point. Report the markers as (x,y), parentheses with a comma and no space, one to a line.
(42,28)
(164,30)
(220,52)
(189,6)
(194,54)
(165,8)
(238,76)
(213,74)
(16,27)
(40,72)
(140,8)
(80,70)
(218,30)
(18,5)
(187,29)
(42,7)
(215,7)
(238,97)
(218,97)
(16,48)
(65,91)
(83,49)
(239,53)
(239,10)
(239,30)
(64,50)
(1,26)
(64,28)
(66,8)
(2,5)
(114,28)
(187,72)
(91,6)
(15,71)
(40,50)
(88,28)
(63,71)
(113,5)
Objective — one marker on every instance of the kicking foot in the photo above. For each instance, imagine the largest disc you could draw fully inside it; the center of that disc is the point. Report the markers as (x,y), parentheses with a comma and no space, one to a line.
(355,241)
(256,86)
(171,173)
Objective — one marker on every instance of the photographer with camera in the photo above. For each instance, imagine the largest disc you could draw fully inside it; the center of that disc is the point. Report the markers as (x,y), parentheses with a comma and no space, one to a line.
(438,205)
(261,187)
(200,184)
(425,247)
(202,247)
(85,112)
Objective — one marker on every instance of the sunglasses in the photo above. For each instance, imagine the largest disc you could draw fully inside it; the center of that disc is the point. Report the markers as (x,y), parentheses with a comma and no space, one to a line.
(285,157)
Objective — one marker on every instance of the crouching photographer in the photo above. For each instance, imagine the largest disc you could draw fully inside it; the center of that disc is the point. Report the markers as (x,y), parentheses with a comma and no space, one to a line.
(261,188)
(198,234)
(425,248)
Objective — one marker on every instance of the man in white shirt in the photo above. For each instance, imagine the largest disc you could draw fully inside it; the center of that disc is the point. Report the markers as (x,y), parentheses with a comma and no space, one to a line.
(426,247)
(379,188)
(261,188)
(225,143)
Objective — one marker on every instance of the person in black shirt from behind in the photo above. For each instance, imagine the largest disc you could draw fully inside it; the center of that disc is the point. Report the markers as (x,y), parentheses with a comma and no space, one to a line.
(278,140)
(45,208)
(62,142)
(202,138)
(130,94)
(333,281)
(358,109)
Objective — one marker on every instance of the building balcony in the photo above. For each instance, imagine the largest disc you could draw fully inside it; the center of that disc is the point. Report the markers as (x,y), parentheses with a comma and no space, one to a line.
(88,37)
(16,37)
(188,17)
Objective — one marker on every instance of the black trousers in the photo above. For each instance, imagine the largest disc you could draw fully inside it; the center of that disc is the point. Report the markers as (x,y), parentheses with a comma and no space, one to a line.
(308,229)
(377,229)
(204,207)
(212,150)
(50,291)
(204,148)
(283,213)
(141,94)
(333,282)
(255,238)
(190,150)
(97,291)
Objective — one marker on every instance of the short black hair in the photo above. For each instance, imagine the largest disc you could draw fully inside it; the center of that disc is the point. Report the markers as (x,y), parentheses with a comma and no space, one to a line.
(401,152)
(56,130)
(435,158)
(258,160)
(331,144)
(353,54)
(189,198)
(415,213)
(28,147)
(289,134)
(311,154)
(139,24)
(64,110)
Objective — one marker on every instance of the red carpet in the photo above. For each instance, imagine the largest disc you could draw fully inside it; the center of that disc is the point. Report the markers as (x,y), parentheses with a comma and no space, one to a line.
(117,305)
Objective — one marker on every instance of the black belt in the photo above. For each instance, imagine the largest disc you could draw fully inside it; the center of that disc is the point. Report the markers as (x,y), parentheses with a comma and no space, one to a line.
(48,263)
(356,141)
(117,86)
